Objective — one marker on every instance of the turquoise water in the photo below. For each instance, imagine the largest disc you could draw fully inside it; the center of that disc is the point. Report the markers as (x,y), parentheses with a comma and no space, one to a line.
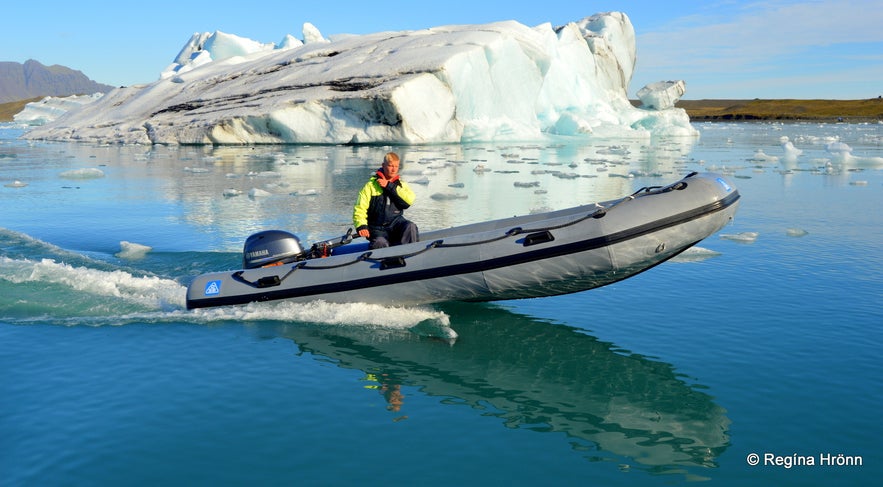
(763,340)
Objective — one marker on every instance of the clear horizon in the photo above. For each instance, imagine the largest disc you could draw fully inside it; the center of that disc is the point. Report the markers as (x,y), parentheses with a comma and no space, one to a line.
(724,50)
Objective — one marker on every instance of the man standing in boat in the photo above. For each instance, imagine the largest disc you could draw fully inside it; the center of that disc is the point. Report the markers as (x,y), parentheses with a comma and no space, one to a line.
(378,212)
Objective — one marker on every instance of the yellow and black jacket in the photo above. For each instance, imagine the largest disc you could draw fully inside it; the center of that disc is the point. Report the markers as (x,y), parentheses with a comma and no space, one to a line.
(377,207)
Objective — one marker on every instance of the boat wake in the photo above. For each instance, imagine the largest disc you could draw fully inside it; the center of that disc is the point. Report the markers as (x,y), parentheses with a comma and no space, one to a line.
(385,319)
(41,283)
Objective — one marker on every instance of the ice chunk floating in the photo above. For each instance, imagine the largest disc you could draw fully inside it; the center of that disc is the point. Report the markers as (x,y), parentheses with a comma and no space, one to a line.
(497,81)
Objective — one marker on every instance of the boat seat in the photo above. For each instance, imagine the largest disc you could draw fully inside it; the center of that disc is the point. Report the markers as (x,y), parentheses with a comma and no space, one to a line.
(351,248)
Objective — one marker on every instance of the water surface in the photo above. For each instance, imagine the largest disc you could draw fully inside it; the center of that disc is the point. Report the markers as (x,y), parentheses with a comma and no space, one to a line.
(763,339)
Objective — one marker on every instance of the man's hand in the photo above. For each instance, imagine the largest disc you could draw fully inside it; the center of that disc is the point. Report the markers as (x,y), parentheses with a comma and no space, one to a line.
(364,233)
(383,182)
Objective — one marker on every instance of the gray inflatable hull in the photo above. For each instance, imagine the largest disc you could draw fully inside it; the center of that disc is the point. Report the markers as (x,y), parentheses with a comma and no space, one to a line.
(528,256)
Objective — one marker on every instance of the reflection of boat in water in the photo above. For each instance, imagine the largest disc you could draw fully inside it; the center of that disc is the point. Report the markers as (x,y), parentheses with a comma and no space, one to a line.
(558,252)
(537,374)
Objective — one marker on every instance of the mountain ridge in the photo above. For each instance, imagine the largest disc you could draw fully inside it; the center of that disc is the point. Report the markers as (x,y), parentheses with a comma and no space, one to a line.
(32,79)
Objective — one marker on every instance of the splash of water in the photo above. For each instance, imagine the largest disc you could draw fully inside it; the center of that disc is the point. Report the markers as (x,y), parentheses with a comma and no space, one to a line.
(46,291)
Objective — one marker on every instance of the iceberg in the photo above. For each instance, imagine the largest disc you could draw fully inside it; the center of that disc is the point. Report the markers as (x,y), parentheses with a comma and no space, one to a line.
(662,95)
(52,107)
(448,84)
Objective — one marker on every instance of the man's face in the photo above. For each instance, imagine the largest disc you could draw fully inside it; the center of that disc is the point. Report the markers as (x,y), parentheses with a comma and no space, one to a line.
(391,169)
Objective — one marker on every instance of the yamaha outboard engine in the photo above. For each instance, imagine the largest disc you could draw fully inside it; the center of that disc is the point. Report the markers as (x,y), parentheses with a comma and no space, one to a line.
(271,247)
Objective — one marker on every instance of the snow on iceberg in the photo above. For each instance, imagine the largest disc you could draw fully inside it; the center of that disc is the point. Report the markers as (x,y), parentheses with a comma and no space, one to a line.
(497,81)
(51,107)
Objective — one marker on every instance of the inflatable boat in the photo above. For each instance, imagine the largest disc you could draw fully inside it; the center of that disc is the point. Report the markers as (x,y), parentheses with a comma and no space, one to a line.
(528,256)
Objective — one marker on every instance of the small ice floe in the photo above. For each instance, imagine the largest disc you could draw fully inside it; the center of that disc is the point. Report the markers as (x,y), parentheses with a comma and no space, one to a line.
(457,185)
(695,254)
(480,169)
(791,152)
(196,170)
(132,251)
(305,192)
(795,232)
(231,175)
(860,182)
(85,173)
(258,193)
(745,237)
(614,150)
(15,184)
(530,184)
(422,181)
(231,192)
(448,196)
(761,156)
(266,174)
(838,148)
(277,186)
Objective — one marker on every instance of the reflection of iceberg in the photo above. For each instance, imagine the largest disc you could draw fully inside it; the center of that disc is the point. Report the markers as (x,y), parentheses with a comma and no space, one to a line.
(529,374)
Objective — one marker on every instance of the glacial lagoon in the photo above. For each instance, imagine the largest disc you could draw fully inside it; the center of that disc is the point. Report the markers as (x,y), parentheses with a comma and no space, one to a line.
(752,357)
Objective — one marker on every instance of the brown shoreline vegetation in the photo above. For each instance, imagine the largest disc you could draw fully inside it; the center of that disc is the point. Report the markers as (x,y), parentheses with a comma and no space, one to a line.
(853,111)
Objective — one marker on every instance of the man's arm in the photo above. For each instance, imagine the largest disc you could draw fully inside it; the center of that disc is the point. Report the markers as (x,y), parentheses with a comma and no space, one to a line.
(401,194)
(360,209)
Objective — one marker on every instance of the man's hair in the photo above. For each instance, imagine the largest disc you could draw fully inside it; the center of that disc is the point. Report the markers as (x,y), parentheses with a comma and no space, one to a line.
(391,157)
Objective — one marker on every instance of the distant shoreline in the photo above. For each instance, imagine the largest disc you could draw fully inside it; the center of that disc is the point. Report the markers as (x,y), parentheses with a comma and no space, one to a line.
(852,111)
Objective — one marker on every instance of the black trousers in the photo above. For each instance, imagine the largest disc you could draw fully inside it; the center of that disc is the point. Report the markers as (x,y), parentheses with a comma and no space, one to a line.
(400,231)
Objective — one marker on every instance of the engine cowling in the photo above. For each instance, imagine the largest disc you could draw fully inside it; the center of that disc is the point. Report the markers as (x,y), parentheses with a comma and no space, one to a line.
(271,247)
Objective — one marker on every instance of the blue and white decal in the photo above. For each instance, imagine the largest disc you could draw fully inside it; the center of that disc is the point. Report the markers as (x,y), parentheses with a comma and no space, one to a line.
(212,288)
(723,183)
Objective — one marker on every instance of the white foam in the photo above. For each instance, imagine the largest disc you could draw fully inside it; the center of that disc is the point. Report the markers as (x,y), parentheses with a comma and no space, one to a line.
(151,291)
(430,322)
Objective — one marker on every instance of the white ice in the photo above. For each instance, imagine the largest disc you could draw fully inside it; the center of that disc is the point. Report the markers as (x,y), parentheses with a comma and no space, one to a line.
(85,173)
(132,251)
(51,107)
(662,95)
(458,83)
(791,152)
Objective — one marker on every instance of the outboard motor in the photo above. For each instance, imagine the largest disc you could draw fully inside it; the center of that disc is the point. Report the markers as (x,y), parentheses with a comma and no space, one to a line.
(271,247)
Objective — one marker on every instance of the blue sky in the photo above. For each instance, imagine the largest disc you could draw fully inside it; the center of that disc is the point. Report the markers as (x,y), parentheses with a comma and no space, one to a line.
(722,49)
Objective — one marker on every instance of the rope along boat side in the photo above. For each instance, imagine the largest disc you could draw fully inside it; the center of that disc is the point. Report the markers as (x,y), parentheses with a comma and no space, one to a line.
(527,256)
